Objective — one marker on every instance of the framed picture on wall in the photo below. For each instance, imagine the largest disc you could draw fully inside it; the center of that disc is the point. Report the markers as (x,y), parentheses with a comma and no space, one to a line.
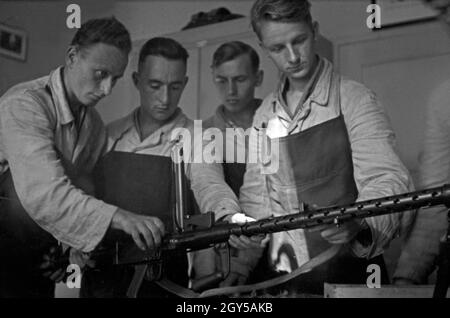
(401,12)
(13,42)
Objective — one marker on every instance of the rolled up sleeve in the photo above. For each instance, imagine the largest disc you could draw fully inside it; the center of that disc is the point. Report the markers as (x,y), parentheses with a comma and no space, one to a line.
(211,191)
(45,191)
(378,170)
(208,184)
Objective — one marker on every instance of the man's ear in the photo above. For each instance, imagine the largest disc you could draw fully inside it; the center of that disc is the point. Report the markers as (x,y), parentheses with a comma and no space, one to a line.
(316,30)
(71,55)
(259,78)
(186,80)
(261,45)
(264,49)
(135,77)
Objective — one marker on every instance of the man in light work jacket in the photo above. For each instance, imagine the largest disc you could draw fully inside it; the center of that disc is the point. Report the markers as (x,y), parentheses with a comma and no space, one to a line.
(50,139)
(335,147)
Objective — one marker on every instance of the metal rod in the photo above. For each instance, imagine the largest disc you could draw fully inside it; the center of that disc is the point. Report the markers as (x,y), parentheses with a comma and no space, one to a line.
(180,185)
(330,215)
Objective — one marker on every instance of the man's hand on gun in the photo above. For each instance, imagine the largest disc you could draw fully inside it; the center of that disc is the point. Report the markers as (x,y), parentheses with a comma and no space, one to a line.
(81,259)
(338,234)
(249,250)
(344,233)
(50,267)
(146,231)
(245,242)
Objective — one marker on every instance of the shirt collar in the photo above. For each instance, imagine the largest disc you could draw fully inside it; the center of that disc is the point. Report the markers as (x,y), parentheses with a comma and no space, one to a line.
(222,122)
(56,85)
(318,87)
(179,120)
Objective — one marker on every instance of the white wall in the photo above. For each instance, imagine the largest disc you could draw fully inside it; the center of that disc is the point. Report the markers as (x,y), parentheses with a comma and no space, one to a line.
(150,18)
(145,19)
(48,35)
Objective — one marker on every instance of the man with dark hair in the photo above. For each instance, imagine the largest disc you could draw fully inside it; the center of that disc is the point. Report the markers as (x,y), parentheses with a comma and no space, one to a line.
(148,135)
(236,74)
(335,147)
(50,139)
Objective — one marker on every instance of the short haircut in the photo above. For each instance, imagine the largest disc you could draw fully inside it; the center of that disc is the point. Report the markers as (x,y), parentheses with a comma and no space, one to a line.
(280,11)
(231,50)
(105,30)
(164,47)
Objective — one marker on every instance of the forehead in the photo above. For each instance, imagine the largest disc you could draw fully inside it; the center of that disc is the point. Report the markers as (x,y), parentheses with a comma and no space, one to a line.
(161,68)
(241,65)
(106,57)
(282,32)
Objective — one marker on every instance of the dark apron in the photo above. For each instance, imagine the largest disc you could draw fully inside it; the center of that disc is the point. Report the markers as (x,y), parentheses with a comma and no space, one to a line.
(23,243)
(234,175)
(315,167)
(234,171)
(141,184)
(22,246)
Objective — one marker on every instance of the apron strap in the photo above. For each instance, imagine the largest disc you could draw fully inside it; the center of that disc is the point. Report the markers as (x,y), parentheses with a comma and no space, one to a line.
(336,90)
(184,292)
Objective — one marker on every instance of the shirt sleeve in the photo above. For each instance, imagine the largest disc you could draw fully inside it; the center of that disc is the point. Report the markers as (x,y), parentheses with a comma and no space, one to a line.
(253,196)
(208,184)
(378,171)
(44,189)
(421,247)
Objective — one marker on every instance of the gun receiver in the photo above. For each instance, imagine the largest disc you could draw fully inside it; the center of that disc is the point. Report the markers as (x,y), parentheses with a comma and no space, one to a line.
(198,239)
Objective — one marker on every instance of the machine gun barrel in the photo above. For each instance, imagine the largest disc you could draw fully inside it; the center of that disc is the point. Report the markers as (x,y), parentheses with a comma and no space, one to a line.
(193,240)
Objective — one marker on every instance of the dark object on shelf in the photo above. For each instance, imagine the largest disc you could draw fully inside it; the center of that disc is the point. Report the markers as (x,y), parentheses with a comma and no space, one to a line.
(213,16)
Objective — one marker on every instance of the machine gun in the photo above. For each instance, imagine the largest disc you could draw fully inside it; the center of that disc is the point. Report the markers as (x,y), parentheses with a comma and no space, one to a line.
(202,234)
(199,231)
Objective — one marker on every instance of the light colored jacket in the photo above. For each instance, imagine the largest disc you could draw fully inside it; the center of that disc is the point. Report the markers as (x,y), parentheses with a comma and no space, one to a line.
(421,248)
(40,144)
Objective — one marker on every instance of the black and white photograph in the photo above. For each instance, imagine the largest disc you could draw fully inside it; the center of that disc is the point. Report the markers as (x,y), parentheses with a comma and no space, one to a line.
(235,152)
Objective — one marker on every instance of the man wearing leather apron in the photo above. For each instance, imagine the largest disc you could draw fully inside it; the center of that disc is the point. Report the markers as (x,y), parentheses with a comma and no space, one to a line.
(236,75)
(50,139)
(335,147)
(144,140)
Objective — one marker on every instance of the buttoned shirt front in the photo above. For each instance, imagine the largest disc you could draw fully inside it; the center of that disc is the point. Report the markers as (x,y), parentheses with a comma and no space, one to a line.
(41,144)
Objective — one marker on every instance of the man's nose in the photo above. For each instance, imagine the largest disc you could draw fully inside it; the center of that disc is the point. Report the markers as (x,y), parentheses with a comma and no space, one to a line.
(293,56)
(232,88)
(107,86)
(164,95)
